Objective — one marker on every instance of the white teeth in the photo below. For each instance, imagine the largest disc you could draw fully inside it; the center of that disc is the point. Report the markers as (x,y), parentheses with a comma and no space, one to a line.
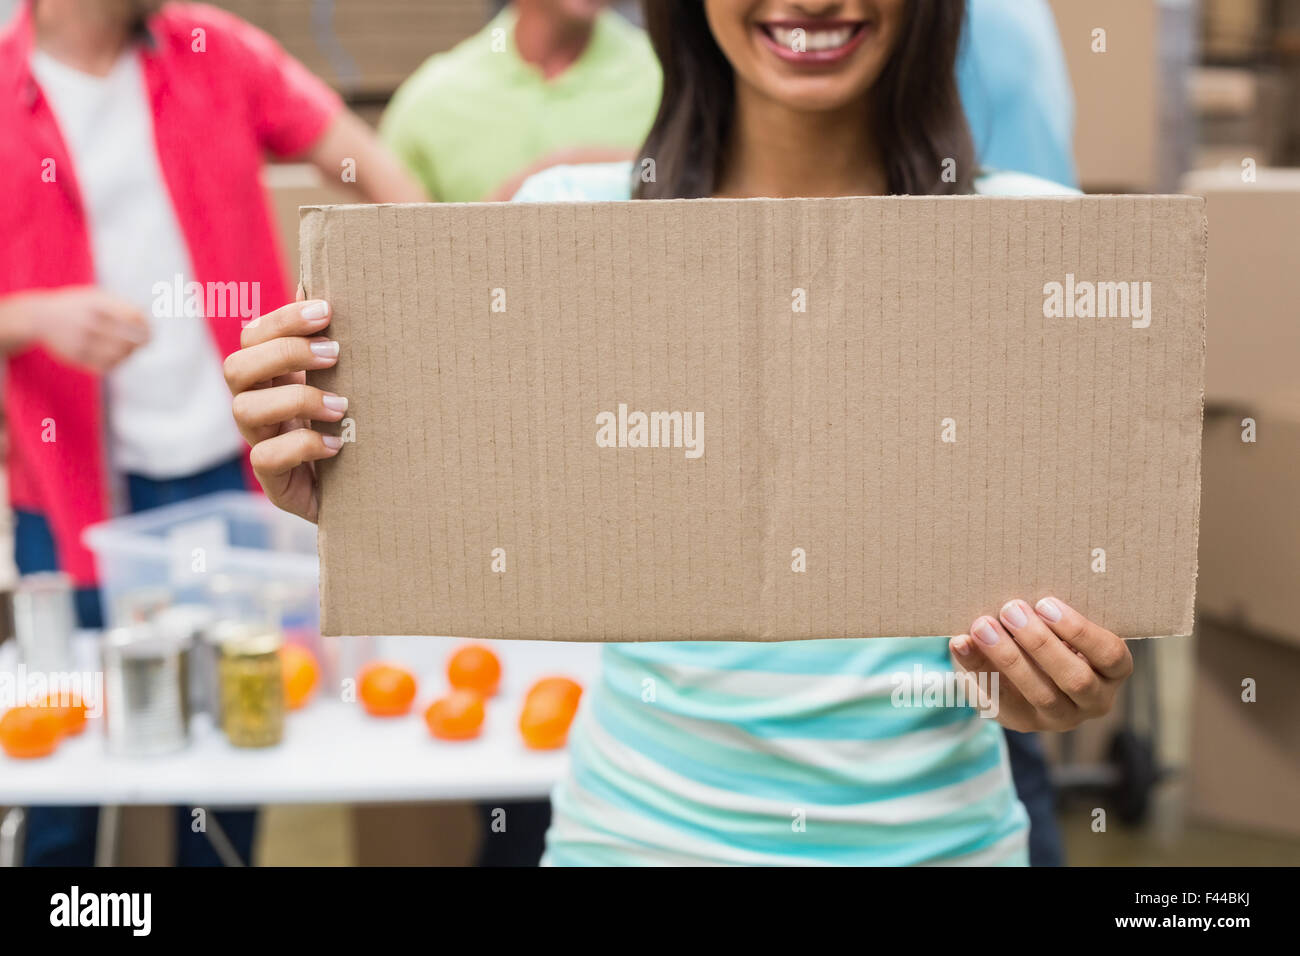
(800,40)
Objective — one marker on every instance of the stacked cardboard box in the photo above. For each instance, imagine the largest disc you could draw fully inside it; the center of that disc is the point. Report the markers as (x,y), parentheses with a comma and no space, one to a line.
(1252,331)
(1233,29)
(365,48)
(1245,768)
(1128,61)
(1246,755)
(290,186)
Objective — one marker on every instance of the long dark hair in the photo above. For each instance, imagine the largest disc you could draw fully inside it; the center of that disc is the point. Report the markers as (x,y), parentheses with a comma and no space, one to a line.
(917,119)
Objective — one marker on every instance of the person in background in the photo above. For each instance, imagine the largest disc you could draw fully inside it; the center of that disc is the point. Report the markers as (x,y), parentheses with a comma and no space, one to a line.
(545,81)
(134,137)
(1015,89)
(745,731)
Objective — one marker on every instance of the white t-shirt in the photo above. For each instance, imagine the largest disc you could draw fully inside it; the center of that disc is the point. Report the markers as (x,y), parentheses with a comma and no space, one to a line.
(168,405)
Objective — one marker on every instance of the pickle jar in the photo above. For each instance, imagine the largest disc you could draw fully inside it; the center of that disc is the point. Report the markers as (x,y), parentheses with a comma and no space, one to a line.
(252,686)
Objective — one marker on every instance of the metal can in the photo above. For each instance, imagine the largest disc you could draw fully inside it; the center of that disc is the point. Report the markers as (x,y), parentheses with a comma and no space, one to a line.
(252,687)
(144,695)
(44,621)
(189,624)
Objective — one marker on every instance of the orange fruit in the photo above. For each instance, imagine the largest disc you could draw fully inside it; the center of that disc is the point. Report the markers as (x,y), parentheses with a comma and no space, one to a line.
(474,667)
(300,675)
(386,690)
(458,716)
(27,732)
(72,714)
(569,690)
(548,713)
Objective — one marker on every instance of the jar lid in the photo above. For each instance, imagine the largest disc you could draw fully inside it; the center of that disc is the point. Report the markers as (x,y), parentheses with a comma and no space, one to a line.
(239,639)
(44,582)
(141,639)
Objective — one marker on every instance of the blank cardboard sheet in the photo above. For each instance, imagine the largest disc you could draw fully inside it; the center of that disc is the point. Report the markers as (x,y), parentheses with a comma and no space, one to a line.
(759,419)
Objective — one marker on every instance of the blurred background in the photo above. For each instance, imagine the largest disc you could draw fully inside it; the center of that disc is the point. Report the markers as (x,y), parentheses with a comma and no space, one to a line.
(1197,97)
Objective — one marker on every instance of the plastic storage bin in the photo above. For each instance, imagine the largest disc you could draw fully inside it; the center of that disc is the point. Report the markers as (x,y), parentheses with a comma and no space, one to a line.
(218,550)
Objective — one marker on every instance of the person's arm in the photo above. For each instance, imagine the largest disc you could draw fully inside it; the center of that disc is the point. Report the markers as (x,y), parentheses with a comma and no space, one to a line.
(295,115)
(17,330)
(379,176)
(82,325)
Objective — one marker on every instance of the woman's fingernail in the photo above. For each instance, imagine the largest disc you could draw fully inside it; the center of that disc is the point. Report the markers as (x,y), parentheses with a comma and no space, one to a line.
(1049,609)
(1013,615)
(985,631)
(333,442)
(252,323)
(961,645)
(335,403)
(311,311)
(325,349)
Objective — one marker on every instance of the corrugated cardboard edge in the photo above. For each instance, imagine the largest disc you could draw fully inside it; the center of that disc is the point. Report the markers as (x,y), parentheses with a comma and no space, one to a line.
(1190,612)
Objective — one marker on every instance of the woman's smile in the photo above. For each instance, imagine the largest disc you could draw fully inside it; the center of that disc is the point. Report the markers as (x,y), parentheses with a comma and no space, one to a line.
(813,43)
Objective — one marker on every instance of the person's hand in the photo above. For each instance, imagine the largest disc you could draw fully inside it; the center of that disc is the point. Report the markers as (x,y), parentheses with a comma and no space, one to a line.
(273,403)
(86,327)
(1055,668)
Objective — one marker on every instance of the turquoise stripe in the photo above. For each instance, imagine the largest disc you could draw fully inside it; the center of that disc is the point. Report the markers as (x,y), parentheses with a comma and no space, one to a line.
(866,718)
(764,775)
(842,843)
(854,656)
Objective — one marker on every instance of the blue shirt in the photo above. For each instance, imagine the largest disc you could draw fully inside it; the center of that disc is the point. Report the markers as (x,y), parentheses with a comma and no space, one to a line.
(785,752)
(1016,89)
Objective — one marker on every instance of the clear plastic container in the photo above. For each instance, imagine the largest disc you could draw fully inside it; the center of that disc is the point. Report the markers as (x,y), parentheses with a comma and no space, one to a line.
(193,549)
(234,553)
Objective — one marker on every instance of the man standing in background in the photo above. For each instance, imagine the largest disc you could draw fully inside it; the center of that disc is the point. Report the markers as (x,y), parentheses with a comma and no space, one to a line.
(134,138)
(545,82)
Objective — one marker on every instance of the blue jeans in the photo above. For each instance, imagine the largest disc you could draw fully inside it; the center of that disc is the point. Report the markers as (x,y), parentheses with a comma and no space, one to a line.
(1033,783)
(65,836)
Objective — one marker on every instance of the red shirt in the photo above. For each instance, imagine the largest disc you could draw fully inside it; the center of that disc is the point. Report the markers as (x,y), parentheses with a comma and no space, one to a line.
(224,95)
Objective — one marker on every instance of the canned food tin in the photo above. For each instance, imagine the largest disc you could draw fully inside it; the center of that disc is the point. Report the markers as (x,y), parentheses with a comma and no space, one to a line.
(44,621)
(189,624)
(144,697)
(252,687)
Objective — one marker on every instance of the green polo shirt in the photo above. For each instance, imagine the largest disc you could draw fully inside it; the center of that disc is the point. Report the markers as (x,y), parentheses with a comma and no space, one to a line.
(472,117)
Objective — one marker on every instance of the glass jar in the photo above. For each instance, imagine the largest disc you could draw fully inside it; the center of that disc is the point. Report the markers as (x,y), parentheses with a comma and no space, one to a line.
(252,687)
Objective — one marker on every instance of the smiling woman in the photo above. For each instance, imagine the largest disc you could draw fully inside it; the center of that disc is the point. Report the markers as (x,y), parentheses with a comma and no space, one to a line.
(767,74)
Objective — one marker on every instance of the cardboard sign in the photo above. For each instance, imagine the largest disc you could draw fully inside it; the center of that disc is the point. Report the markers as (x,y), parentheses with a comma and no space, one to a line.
(759,419)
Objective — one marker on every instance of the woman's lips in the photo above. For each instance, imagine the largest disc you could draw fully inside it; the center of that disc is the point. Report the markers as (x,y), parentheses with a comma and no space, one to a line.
(820,43)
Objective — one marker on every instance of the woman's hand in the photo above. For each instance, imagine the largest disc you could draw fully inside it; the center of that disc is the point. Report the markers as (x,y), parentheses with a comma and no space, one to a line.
(1055,668)
(273,404)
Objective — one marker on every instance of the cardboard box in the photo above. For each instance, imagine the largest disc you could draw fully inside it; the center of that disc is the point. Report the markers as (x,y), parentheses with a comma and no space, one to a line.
(1233,29)
(1250,518)
(364,48)
(1245,767)
(864,421)
(291,186)
(1132,119)
(1252,331)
